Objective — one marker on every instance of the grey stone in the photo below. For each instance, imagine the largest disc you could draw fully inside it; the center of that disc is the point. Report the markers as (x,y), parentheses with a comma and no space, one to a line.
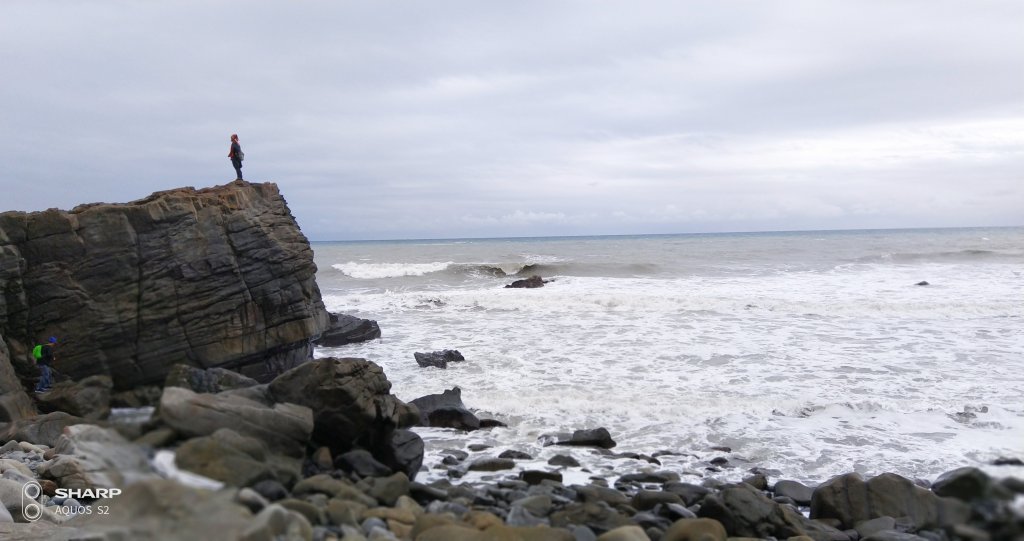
(966,484)
(284,428)
(798,492)
(439,359)
(208,380)
(344,329)
(851,499)
(352,407)
(88,398)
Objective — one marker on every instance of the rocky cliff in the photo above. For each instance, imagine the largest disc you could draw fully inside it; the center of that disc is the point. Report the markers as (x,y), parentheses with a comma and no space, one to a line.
(218,277)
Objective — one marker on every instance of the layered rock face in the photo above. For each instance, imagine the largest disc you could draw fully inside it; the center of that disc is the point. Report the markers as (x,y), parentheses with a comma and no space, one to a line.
(14,403)
(219,277)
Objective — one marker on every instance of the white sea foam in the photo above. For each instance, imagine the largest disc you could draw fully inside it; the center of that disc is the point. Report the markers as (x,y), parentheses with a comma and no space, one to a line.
(812,373)
(389,270)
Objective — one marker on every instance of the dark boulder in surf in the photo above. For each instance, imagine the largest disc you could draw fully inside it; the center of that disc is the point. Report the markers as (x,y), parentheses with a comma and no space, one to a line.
(597,437)
(346,329)
(440,359)
(922,283)
(527,283)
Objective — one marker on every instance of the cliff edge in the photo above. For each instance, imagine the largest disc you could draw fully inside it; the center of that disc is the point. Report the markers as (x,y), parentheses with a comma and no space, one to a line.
(217,277)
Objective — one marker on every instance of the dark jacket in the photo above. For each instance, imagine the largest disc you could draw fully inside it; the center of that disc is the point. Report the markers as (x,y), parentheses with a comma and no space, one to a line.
(235,149)
(47,357)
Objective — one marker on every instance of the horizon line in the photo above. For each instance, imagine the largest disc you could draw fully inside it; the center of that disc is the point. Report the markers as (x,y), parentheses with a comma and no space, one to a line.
(707,233)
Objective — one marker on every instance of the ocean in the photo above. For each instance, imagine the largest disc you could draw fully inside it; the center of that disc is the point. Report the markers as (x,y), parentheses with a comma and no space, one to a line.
(805,354)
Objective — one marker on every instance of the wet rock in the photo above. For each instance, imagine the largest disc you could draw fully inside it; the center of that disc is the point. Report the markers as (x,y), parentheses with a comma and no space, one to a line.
(403,452)
(529,283)
(597,437)
(1008,461)
(209,380)
(515,455)
(922,283)
(439,359)
(456,418)
(966,484)
(798,492)
(851,500)
(492,464)
(451,398)
(362,463)
(563,460)
(868,528)
(284,428)
(536,477)
(345,329)
(746,512)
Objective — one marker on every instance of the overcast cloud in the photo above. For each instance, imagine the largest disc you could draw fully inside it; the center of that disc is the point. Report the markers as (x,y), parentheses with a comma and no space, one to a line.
(421,119)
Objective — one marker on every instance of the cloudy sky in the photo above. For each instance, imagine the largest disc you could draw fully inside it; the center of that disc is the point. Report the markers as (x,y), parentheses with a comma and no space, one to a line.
(427,119)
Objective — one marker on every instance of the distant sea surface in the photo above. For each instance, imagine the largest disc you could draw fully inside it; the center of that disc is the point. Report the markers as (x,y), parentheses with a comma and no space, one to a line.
(807,353)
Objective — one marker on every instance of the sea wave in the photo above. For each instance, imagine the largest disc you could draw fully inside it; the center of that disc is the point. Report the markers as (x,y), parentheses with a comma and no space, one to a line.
(942,256)
(376,271)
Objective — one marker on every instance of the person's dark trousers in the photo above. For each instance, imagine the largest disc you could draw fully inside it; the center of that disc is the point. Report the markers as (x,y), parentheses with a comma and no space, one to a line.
(44,379)
(238,168)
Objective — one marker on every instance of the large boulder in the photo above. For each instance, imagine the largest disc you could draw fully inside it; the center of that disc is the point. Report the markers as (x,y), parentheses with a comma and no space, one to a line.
(235,459)
(351,401)
(209,380)
(88,456)
(344,329)
(850,499)
(218,277)
(89,398)
(14,402)
(445,410)
(42,429)
(747,512)
(285,428)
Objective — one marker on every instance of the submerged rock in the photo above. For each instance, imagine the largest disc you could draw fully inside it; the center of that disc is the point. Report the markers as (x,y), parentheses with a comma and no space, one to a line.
(439,359)
(528,283)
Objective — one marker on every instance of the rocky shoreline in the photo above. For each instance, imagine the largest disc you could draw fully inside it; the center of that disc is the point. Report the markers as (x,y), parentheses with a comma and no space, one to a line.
(243,435)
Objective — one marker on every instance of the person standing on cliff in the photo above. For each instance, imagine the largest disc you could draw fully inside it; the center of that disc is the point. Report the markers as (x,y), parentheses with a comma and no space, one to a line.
(236,155)
(44,362)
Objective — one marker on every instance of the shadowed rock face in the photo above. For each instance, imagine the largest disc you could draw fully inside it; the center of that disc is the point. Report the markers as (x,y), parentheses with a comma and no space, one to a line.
(14,403)
(220,277)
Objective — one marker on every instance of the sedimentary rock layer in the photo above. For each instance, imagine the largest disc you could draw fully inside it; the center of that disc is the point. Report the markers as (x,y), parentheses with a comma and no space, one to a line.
(214,277)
